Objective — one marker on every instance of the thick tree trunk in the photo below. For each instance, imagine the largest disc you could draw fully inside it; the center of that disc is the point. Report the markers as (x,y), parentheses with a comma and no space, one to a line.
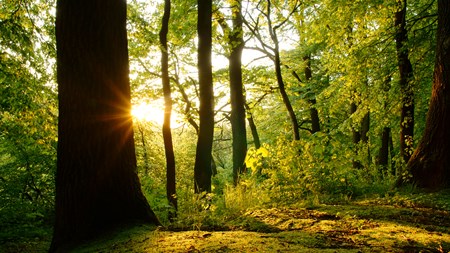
(202,169)
(167,133)
(406,77)
(430,163)
(237,94)
(97,187)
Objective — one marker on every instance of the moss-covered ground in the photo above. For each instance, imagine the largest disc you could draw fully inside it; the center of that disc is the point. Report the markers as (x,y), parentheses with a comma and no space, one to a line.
(369,225)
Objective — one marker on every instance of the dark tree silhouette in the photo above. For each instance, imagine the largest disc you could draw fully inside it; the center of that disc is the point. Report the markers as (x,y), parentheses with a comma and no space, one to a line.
(430,163)
(202,169)
(97,187)
(167,132)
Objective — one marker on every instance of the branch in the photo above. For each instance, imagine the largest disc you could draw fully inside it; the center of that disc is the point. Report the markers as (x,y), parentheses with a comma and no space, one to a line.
(268,54)
(294,10)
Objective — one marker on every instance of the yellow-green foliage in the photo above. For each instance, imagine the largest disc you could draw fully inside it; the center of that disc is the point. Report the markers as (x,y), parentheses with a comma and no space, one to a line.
(319,166)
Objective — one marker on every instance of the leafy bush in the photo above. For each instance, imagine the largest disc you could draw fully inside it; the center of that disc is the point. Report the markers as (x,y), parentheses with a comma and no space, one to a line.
(294,171)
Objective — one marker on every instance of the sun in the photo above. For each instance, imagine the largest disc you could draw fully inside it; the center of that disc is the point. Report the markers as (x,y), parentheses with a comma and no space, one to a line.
(146,112)
(153,112)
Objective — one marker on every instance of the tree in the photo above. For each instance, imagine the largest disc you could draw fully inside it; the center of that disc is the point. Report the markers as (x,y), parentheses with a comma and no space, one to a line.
(382,158)
(252,125)
(167,133)
(406,77)
(202,169)
(430,162)
(97,187)
(273,52)
(314,114)
(236,43)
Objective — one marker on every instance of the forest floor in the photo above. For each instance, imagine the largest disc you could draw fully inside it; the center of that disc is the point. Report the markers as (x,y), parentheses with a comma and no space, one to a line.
(358,226)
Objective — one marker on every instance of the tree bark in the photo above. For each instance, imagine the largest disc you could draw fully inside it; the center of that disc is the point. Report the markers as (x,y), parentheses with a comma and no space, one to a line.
(202,169)
(167,133)
(239,133)
(406,77)
(430,163)
(383,153)
(253,129)
(356,137)
(314,114)
(97,187)
(382,159)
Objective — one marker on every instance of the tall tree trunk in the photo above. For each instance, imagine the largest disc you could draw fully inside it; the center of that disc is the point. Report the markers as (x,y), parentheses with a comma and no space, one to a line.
(284,95)
(167,133)
(430,163)
(365,127)
(382,159)
(406,77)
(236,42)
(253,129)
(356,137)
(274,54)
(280,81)
(97,187)
(314,114)
(202,169)
(383,153)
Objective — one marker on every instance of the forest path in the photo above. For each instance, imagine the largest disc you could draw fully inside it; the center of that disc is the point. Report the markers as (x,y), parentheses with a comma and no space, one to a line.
(355,227)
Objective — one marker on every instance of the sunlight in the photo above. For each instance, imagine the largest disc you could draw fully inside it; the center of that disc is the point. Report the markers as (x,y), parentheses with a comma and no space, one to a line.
(153,112)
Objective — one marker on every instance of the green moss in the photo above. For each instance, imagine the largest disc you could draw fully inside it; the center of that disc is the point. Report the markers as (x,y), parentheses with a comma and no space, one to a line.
(366,225)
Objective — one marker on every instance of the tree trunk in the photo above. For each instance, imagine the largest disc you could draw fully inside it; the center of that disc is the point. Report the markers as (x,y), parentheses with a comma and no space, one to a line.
(237,94)
(356,137)
(202,169)
(284,95)
(315,121)
(430,163)
(280,81)
(365,127)
(97,187)
(252,125)
(167,133)
(382,159)
(406,77)
(383,153)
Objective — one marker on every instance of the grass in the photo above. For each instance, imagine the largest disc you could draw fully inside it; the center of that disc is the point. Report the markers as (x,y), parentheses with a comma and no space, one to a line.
(401,222)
